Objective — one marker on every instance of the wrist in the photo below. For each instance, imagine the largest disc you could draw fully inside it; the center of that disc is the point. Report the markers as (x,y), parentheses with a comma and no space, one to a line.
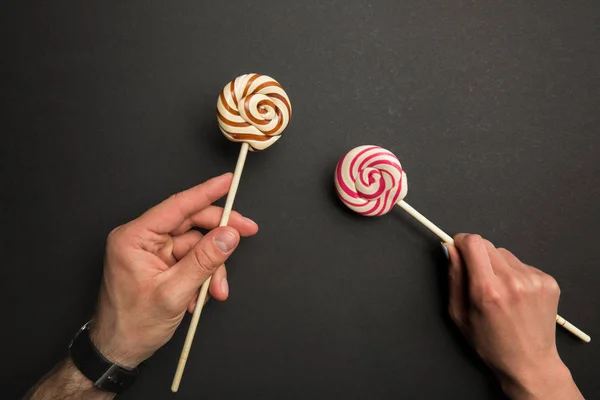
(548,381)
(66,381)
(115,347)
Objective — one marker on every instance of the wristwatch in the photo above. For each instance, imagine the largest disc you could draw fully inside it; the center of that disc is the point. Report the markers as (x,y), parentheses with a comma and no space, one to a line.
(106,375)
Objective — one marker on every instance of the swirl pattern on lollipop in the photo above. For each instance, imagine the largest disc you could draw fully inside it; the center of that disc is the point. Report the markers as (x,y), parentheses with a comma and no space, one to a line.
(370,180)
(255,109)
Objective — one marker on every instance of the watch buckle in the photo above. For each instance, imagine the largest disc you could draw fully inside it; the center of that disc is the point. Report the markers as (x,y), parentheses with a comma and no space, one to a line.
(108,378)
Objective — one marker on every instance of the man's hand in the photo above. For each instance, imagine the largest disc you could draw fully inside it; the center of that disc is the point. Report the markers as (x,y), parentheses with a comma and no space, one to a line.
(154,267)
(507,311)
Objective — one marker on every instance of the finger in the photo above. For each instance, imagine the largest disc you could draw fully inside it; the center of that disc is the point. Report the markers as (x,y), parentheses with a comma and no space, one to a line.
(475,255)
(210,217)
(510,258)
(218,276)
(171,213)
(185,278)
(515,279)
(533,275)
(164,250)
(457,286)
(182,244)
(499,265)
(219,286)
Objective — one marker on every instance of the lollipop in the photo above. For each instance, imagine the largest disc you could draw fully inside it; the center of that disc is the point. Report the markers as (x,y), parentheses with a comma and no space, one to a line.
(370,181)
(253,110)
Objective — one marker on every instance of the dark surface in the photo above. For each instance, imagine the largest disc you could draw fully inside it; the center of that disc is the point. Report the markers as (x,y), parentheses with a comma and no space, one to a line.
(492,109)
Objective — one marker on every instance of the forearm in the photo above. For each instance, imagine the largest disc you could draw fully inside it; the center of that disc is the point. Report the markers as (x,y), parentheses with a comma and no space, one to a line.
(545,383)
(65,382)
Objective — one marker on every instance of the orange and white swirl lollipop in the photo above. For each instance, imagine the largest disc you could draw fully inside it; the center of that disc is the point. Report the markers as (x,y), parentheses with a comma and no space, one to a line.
(254,110)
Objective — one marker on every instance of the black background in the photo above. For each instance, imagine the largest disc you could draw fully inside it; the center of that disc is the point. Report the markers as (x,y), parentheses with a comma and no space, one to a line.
(492,107)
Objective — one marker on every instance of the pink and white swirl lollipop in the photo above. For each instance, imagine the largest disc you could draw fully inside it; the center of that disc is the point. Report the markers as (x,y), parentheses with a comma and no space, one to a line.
(370,181)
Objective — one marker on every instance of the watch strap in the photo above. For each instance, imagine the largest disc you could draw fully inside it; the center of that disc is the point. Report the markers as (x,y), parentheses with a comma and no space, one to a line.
(106,375)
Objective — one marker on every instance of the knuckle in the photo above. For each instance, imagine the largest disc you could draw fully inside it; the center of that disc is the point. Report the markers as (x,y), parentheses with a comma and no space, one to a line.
(487,243)
(196,236)
(452,313)
(116,241)
(531,268)
(536,283)
(489,295)
(456,316)
(492,296)
(551,285)
(516,286)
(504,252)
(473,240)
(113,235)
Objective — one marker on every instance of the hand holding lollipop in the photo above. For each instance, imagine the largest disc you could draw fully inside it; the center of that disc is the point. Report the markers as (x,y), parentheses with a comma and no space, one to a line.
(370,181)
(254,110)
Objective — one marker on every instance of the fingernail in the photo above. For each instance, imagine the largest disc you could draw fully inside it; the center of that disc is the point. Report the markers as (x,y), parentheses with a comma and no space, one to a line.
(225,287)
(225,241)
(445,251)
(251,221)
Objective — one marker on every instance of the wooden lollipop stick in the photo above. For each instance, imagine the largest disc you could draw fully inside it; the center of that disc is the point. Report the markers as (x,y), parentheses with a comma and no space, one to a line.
(204,289)
(447,239)
(573,329)
(427,223)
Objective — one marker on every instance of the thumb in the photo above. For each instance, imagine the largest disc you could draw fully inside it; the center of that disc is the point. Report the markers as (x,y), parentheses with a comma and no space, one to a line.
(203,260)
